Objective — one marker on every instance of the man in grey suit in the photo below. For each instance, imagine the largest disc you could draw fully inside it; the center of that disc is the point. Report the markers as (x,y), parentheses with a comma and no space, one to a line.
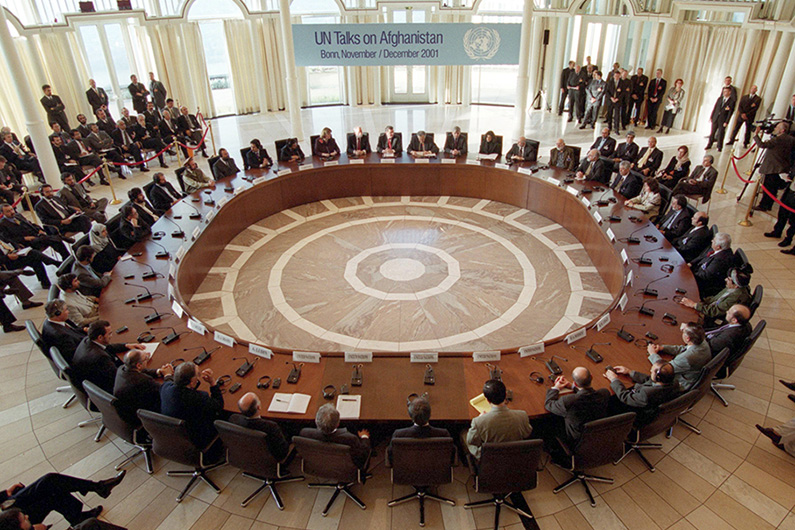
(327,420)
(500,424)
(75,196)
(91,283)
(158,91)
(649,391)
(688,360)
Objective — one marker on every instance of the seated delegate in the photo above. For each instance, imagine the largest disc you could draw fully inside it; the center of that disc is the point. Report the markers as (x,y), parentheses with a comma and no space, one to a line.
(500,424)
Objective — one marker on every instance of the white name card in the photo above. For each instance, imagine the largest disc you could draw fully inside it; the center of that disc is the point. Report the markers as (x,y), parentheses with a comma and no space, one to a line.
(486,356)
(574,336)
(195,325)
(356,161)
(502,166)
(572,190)
(421,161)
(180,253)
(624,256)
(553,180)
(260,351)
(473,162)
(286,170)
(304,167)
(623,301)
(602,322)
(630,277)
(197,232)
(358,357)
(222,202)
(177,309)
(306,357)
(210,216)
(525,171)
(533,349)
(221,338)
(171,292)
(239,189)
(448,160)
(259,180)
(424,357)
(598,217)
(586,202)
(172,270)
(611,235)
(387,160)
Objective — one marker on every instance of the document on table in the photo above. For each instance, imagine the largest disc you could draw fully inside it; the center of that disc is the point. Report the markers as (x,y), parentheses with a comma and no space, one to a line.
(492,156)
(349,407)
(150,347)
(22,251)
(289,403)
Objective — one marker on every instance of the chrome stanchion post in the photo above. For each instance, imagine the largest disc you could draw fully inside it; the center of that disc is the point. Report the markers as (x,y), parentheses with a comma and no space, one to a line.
(110,183)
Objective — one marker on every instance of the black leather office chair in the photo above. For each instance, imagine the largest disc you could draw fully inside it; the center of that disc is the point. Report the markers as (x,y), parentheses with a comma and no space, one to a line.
(704,384)
(422,464)
(732,363)
(349,137)
(330,461)
(312,141)
(450,135)
(180,179)
(132,434)
(244,156)
(665,198)
(740,258)
(756,299)
(428,136)
(170,440)
(714,228)
(279,144)
(247,450)
(65,267)
(78,391)
(211,162)
(84,240)
(505,468)
(667,416)
(35,336)
(537,145)
(602,442)
(577,152)
(497,139)
(147,189)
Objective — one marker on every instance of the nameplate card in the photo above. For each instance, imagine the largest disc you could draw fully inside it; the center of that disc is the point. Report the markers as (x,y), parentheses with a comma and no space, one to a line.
(358,356)
(356,161)
(448,160)
(177,309)
(602,322)
(210,216)
(260,351)
(259,180)
(572,190)
(473,162)
(624,256)
(623,301)
(611,235)
(171,292)
(331,163)
(306,357)
(197,232)
(598,218)
(286,170)
(224,339)
(553,180)
(421,161)
(172,270)
(575,336)
(304,167)
(388,160)
(180,253)
(424,357)
(525,171)
(195,325)
(586,202)
(222,202)
(502,166)
(533,349)
(486,356)
(239,189)
(630,278)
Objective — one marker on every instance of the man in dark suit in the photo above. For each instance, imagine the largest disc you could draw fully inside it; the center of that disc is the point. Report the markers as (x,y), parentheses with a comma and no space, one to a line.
(639,84)
(564,86)
(75,196)
(626,151)
(328,430)
(55,108)
(10,182)
(521,151)
(656,93)
(694,241)
(593,168)
(721,114)
(96,359)
(747,108)
(131,227)
(67,157)
(12,259)
(389,143)
(54,212)
(146,212)
(158,91)
(127,143)
(225,166)
(188,125)
(57,130)
(712,266)
(562,156)
(97,98)
(91,283)
(647,394)
(138,92)
(783,217)
(358,143)
(163,194)
(612,102)
(182,399)
(777,160)
(82,126)
(152,117)
(100,143)
(16,229)
(249,417)
(105,122)
(574,88)
(10,284)
(733,333)
(605,144)
(625,99)
(677,221)
(58,330)
(137,387)
(17,154)
(169,131)
(455,144)
(420,413)
(701,180)
(628,183)
(649,159)
(422,146)
(583,405)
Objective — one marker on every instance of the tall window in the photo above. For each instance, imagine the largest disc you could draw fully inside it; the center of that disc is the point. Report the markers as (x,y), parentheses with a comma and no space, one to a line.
(408,83)
(324,84)
(495,84)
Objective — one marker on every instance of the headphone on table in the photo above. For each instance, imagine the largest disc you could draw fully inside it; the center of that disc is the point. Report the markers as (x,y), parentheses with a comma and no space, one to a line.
(264,384)
(329,391)
(224,379)
(537,377)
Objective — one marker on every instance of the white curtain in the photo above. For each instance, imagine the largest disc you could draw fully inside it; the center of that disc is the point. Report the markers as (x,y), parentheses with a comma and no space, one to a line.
(244,64)
(363,82)
(268,39)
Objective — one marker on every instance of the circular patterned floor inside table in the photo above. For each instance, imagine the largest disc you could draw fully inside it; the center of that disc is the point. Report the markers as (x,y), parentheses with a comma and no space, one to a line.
(401,274)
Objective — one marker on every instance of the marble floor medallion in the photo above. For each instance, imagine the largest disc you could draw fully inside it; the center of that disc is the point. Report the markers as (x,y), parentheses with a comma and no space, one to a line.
(401,274)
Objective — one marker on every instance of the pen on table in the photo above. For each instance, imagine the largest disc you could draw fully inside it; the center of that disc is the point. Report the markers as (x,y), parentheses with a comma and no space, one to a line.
(281,400)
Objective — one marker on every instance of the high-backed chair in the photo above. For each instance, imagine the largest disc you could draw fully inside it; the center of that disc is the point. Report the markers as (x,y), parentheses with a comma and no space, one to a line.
(247,450)
(180,178)
(577,152)
(732,363)
(704,383)
(35,336)
(537,145)
(350,137)
(279,144)
(756,299)
(422,464)
(740,258)
(667,416)
(65,267)
(505,468)
(312,141)
(428,136)
(602,442)
(170,440)
(714,228)
(78,391)
(497,139)
(330,461)
(147,189)
(53,293)
(397,135)
(244,156)
(84,240)
(211,162)
(665,198)
(132,434)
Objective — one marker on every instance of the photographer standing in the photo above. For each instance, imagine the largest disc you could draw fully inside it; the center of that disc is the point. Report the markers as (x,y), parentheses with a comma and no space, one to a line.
(775,161)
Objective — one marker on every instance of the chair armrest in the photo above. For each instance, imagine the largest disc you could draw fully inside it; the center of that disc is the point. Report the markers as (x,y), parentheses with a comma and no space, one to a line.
(563,446)
(472,463)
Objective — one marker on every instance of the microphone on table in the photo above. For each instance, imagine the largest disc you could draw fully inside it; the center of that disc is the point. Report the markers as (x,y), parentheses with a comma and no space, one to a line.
(179,232)
(643,260)
(153,317)
(204,355)
(601,201)
(171,337)
(634,240)
(196,215)
(163,254)
(643,310)
(151,273)
(140,297)
(626,335)
(653,292)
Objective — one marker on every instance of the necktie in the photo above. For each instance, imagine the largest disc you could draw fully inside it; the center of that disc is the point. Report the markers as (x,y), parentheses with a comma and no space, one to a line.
(714,332)
(125,138)
(588,170)
(670,221)
(389,143)
(644,158)
(358,144)
(58,208)
(16,149)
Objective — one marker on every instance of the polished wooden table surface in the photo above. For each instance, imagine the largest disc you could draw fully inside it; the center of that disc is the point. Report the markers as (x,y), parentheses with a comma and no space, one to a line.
(391,377)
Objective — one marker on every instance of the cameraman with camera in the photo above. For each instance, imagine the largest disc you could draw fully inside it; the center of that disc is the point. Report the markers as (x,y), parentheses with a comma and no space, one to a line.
(775,161)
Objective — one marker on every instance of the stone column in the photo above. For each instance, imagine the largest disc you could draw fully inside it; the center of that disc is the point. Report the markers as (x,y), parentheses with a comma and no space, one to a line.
(293,98)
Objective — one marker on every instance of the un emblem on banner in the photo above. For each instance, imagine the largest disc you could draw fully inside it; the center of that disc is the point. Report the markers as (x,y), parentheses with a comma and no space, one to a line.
(481,43)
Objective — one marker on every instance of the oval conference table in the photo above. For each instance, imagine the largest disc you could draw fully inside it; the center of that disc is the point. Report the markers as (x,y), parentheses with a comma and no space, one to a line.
(242,200)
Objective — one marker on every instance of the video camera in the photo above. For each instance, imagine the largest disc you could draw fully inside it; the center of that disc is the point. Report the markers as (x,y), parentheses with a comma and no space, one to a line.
(768,124)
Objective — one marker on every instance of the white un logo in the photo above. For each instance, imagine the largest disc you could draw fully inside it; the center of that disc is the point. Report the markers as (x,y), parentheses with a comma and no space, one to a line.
(481,43)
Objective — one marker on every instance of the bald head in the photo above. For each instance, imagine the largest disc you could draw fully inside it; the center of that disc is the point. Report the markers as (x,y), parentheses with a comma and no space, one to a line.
(581,377)
(560,144)
(249,405)
(738,314)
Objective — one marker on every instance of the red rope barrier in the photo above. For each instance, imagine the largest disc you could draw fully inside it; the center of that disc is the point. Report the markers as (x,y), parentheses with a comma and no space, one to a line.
(142,161)
(89,175)
(200,141)
(79,182)
(764,189)
(744,154)
(737,171)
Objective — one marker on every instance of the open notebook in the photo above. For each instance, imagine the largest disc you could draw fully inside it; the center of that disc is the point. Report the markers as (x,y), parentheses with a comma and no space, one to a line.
(289,403)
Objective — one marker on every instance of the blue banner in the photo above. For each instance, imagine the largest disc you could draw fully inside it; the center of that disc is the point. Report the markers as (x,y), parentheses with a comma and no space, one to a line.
(399,44)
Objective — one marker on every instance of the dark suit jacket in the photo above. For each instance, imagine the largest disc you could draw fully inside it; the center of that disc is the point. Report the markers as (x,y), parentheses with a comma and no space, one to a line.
(143,215)
(225,168)
(677,174)
(134,233)
(722,112)
(562,159)
(255,159)
(326,146)
(645,396)
(198,408)
(100,141)
(632,185)
(681,223)
(397,145)
(48,214)
(749,105)
(693,242)
(657,91)
(451,144)
(732,337)
(84,131)
(15,233)
(599,170)
(365,143)
(417,431)
(67,338)
(778,157)
(161,199)
(578,408)
(277,443)
(94,363)
(528,152)
(427,145)
(710,271)
(91,283)
(653,163)
(108,125)
(138,92)
(639,84)
(608,148)
(54,106)
(360,447)
(487,148)
(97,99)
(186,124)
(136,390)
(628,152)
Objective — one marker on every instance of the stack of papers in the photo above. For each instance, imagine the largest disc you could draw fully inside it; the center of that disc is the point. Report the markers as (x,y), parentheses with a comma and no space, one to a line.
(289,403)
(480,403)
(492,156)
(349,407)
